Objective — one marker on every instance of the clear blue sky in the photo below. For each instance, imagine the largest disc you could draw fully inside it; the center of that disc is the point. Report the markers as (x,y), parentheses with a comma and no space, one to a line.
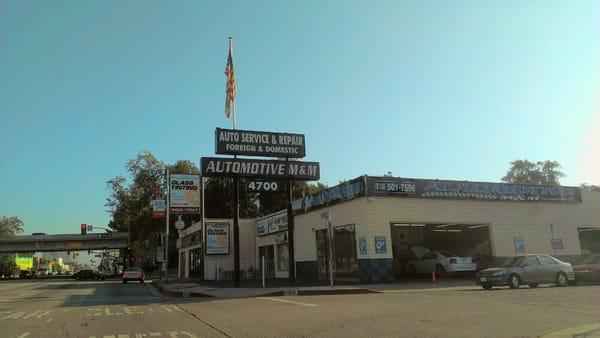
(447,89)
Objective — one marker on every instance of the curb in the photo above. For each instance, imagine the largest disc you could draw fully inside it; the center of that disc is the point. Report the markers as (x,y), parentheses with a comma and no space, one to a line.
(160,286)
(281,293)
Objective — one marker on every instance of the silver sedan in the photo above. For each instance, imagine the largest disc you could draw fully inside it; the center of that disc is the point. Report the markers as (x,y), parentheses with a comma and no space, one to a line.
(529,269)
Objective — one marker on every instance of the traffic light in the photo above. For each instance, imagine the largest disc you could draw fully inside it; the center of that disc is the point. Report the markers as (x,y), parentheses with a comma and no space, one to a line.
(130,255)
(83,229)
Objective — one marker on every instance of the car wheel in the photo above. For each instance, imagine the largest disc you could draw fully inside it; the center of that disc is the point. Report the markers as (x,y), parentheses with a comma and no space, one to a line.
(486,286)
(562,280)
(533,285)
(514,281)
(440,272)
(412,271)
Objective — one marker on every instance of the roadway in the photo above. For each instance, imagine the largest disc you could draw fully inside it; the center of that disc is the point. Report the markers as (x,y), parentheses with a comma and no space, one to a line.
(109,309)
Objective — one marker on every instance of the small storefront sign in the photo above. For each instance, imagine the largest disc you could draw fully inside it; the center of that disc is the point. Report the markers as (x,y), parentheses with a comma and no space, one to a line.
(160,254)
(184,194)
(158,208)
(362,245)
(217,238)
(519,244)
(380,245)
(557,244)
(272,223)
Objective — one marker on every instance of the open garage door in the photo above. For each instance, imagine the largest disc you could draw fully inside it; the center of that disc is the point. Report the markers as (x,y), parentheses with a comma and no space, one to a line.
(411,241)
(589,240)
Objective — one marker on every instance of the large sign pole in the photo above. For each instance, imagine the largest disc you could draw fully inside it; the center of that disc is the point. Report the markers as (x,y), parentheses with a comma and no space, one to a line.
(290,216)
(260,143)
(166,262)
(236,233)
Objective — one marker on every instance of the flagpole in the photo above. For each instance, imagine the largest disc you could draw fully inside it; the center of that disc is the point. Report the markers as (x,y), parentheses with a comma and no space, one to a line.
(236,199)
(234,119)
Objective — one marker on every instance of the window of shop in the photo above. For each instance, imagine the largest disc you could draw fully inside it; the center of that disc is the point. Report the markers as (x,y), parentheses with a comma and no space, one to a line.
(344,251)
(282,257)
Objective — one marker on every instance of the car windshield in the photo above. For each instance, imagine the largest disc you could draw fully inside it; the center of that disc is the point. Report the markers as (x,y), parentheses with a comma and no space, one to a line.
(134,270)
(513,261)
(446,253)
(594,259)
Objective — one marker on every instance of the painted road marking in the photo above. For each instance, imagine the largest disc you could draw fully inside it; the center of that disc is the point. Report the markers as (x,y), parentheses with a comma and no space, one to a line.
(129,310)
(588,330)
(287,301)
(38,314)
(169,334)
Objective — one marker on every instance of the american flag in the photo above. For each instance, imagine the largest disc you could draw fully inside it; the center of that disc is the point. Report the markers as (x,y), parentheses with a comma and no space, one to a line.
(230,87)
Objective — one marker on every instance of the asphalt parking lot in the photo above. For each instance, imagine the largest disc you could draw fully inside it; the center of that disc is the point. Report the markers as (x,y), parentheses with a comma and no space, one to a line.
(112,309)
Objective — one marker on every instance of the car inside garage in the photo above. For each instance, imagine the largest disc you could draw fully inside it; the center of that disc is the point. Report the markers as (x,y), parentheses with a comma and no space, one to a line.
(419,243)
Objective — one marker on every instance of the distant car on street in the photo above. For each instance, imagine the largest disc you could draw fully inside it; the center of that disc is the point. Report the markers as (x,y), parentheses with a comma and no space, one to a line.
(441,262)
(88,274)
(589,270)
(25,274)
(528,269)
(133,274)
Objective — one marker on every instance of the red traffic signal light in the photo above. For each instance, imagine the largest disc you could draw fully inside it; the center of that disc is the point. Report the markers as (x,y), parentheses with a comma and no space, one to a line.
(83,229)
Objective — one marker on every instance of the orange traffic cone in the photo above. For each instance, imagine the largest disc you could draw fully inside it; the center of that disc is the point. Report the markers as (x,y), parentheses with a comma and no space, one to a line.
(433,279)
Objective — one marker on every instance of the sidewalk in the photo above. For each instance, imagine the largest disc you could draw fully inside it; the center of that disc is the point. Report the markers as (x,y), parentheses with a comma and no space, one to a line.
(196,288)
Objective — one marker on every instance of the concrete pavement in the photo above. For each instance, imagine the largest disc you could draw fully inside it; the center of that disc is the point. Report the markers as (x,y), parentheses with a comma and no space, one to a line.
(110,309)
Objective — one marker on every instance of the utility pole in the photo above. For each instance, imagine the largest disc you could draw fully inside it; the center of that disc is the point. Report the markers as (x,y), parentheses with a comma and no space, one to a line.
(290,221)
(166,262)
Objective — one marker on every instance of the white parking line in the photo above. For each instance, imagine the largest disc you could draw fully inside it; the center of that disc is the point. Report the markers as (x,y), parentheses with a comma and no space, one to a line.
(287,301)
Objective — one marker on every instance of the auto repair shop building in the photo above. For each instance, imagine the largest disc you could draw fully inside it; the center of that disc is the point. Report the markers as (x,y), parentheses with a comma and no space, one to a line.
(375,220)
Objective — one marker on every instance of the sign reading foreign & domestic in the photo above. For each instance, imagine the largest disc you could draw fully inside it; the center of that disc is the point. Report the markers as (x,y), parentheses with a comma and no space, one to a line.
(264,169)
(259,143)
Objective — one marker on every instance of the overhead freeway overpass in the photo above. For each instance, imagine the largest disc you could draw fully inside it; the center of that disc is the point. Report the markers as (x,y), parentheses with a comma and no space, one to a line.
(68,242)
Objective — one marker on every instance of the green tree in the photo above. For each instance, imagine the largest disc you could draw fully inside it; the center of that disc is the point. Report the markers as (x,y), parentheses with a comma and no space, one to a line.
(9,226)
(129,202)
(589,187)
(539,173)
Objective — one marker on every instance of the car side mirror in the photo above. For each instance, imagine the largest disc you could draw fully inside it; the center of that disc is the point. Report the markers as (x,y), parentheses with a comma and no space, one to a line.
(524,265)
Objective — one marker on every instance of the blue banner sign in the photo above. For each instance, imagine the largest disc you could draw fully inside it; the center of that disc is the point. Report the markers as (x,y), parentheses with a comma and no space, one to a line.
(470,190)
(362,245)
(380,245)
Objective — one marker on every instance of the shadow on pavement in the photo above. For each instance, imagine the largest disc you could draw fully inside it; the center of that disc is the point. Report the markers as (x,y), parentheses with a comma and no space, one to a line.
(110,293)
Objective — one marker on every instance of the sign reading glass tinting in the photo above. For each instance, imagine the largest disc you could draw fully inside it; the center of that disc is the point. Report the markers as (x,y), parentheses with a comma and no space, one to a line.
(259,143)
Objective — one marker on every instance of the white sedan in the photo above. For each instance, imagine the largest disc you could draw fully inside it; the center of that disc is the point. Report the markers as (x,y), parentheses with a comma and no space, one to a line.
(440,262)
